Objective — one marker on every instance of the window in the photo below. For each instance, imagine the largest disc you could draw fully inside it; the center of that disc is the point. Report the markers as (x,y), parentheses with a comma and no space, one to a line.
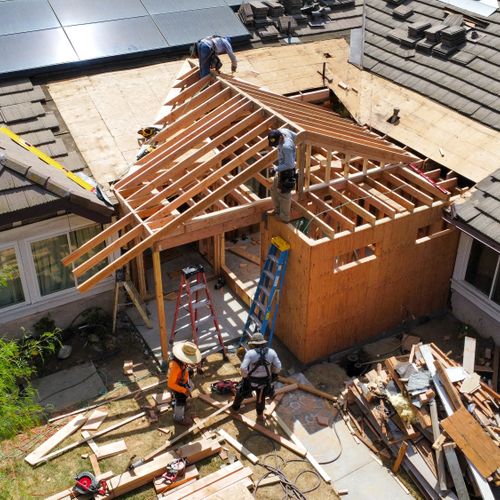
(11,288)
(483,270)
(354,257)
(51,274)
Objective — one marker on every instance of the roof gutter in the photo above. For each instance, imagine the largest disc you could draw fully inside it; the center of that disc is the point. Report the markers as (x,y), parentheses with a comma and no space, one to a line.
(473,233)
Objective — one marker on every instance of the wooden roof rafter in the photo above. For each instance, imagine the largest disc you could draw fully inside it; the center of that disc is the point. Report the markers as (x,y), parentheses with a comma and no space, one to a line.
(214,139)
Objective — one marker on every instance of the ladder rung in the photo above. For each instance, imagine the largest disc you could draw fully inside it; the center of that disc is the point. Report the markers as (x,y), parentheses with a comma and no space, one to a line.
(266,291)
(256,320)
(269,274)
(199,286)
(273,258)
(204,319)
(200,303)
(261,306)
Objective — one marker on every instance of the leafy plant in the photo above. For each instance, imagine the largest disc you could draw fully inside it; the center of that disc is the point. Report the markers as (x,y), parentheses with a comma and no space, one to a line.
(18,407)
(8,272)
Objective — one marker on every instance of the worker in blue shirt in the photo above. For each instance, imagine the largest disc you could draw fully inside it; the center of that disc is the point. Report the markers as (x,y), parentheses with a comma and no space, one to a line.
(284,173)
(207,51)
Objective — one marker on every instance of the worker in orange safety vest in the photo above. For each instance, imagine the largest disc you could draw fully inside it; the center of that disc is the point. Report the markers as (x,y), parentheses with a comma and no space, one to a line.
(185,355)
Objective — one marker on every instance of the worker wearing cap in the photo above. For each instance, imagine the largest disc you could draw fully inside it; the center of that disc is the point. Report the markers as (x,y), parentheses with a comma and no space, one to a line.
(284,172)
(259,370)
(207,51)
(185,355)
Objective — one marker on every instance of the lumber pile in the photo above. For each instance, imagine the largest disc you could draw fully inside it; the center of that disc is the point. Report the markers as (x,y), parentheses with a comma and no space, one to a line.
(425,413)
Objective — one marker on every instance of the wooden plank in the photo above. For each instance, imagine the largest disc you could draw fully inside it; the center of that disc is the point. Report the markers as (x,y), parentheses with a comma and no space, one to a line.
(95,420)
(309,388)
(223,485)
(380,204)
(400,457)
(238,446)
(469,355)
(341,219)
(441,472)
(253,425)
(237,491)
(72,426)
(190,491)
(387,191)
(353,206)
(110,449)
(473,441)
(92,444)
(411,190)
(117,425)
(450,389)
(190,474)
(422,182)
(456,471)
(95,464)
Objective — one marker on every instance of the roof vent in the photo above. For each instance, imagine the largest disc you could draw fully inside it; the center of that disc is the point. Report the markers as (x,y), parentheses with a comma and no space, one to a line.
(394,119)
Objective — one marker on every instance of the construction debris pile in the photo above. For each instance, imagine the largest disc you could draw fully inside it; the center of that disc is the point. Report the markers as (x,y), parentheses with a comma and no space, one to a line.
(273,19)
(436,417)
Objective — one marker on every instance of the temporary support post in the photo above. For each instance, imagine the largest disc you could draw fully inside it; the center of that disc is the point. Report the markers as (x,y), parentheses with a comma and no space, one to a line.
(301,157)
(308,165)
(160,304)
(328,167)
(219,253)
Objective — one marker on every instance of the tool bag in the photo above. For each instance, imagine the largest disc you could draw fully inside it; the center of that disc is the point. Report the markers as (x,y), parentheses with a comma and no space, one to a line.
(224,387)
(286,180)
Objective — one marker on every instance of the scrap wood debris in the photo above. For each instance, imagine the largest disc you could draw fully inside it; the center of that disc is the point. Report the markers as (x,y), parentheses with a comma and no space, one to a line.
(422,411)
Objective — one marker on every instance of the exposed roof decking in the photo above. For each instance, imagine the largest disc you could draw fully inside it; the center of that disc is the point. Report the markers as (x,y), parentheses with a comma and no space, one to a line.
(192,185)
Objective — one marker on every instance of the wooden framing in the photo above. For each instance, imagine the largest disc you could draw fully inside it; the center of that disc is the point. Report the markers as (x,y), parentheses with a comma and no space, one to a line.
(192,185)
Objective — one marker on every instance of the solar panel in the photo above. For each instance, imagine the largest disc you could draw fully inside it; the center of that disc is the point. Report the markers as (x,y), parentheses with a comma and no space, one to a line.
(164,6)
(183,28)
(26,15)
(113,38)
(37,49)
(71,12)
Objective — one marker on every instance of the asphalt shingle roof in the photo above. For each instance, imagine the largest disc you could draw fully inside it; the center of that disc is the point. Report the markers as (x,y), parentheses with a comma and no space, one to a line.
(466,80)
(482,210)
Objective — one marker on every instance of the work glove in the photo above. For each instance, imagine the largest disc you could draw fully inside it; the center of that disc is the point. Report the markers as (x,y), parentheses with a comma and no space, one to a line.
(233,67)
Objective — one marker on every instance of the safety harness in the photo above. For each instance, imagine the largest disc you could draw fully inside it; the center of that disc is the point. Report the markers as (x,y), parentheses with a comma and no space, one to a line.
(261,362)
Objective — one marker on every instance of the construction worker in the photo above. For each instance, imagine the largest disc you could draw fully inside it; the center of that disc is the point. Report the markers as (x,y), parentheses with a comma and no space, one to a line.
(207,51)
(259,370)
(284,173)
(185,355)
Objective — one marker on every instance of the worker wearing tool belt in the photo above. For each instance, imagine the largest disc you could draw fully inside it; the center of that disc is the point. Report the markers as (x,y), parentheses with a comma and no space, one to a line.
(284,173)
(259,369)
(207,51)
(185,355)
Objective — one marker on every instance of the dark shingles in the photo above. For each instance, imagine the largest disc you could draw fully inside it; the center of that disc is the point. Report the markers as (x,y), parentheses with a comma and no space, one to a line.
(468,81)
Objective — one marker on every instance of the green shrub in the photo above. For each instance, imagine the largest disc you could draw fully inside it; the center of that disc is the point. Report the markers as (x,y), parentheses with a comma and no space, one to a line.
(18,407)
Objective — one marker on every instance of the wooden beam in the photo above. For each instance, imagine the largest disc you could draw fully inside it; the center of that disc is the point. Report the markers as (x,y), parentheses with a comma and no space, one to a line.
(353,206)
(387,191)
(260,428)
(238,446)
(189,91)
(400,457)
(110,231)
(450,389)
(381,205)
(310,215)
(254,259)
(420,181)
(404,186)
(344,221)
(219,253)
(160,304)
(441,472)
(236,285)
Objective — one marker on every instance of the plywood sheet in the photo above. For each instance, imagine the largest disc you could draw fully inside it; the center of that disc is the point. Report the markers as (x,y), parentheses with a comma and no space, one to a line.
(476,445)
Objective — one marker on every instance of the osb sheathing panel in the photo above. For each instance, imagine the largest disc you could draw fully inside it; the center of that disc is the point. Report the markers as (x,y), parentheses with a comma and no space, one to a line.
(323,311)
(293,314)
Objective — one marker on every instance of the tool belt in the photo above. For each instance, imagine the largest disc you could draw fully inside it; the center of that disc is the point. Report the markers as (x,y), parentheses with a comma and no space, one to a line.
(286,180)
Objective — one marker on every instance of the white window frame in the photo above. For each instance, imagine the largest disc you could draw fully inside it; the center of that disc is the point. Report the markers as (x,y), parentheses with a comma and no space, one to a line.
(20,265)
(465,288)
(21,238)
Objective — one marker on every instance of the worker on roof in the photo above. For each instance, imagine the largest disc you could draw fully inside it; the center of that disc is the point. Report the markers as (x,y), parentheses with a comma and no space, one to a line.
(185,355)
(207,51)
(284,173)
(259,370)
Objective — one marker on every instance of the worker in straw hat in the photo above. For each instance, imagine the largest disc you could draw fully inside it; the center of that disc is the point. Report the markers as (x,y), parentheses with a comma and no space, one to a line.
(259,370)
(185,355)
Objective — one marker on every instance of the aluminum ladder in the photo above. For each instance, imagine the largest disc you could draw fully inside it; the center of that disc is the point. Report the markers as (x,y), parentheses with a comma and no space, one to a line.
(264,307)
(190,297)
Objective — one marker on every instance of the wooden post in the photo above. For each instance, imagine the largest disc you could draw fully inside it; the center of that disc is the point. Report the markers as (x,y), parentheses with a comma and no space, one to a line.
(400,457)
(301,150)
(365,165)
(328,167)
(345,164)
(308,153)
(160,304)
(219,253)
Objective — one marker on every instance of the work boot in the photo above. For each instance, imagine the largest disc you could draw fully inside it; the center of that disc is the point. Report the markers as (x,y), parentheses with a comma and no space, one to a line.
(261,419)
(187,421)
(180,416)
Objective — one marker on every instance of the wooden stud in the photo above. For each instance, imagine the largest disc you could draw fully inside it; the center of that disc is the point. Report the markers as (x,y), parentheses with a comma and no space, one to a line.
(160,304)
(400,457)
(238,446)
